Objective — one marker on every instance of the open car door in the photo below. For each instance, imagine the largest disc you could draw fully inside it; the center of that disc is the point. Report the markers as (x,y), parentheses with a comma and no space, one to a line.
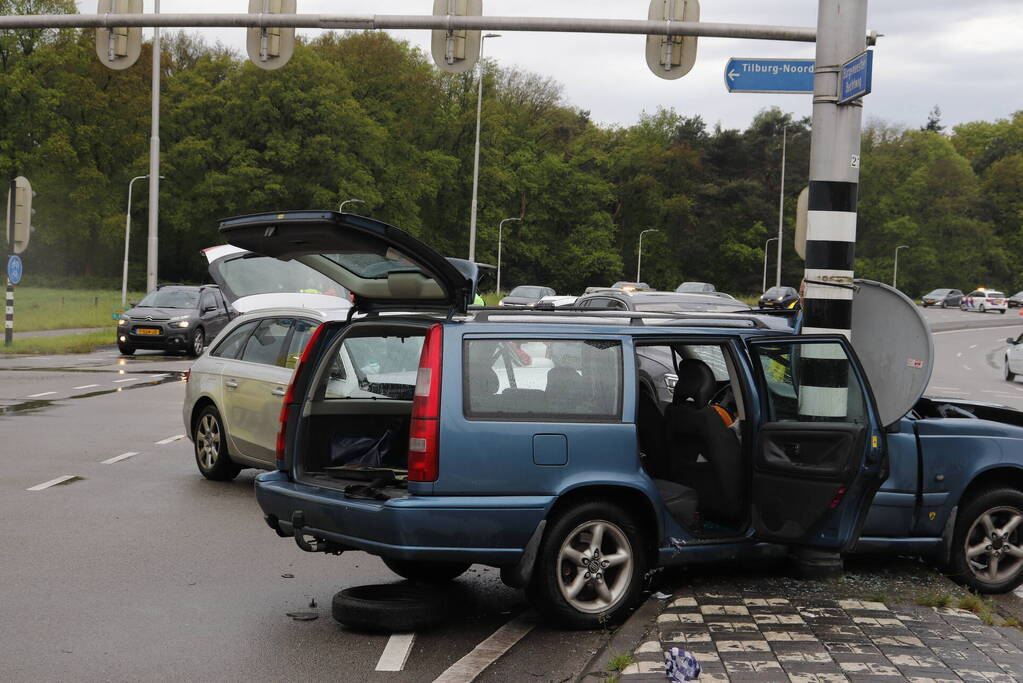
(384,268)
(819,454)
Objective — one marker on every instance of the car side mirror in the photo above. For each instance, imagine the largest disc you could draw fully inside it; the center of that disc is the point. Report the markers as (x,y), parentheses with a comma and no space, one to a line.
(1010,340)
(133,304)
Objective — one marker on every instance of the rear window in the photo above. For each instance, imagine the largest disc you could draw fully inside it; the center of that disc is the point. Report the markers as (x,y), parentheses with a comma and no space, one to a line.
(249,275)
(374,367)
(543,380)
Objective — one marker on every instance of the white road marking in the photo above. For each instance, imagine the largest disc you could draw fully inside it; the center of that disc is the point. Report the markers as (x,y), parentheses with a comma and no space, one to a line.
(959,355)
(52,482)
(967,367)
(129,379)
(118,458)
(396,652)
(87,386)
(934,386)
(164,442)
(974,346)
(45,393)
(486,653)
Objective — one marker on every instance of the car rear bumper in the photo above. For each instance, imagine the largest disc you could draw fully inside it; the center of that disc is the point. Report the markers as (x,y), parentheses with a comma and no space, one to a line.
(485,529)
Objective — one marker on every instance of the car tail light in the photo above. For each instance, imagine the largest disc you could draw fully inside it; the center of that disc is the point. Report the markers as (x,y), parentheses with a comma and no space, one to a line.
(423,451)
(837,500)
(188,374)
(289,398)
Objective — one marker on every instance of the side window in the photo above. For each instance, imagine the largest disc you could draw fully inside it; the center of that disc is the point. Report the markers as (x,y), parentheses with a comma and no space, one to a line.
(302,330)
(233,342)
(267,341)
(550,380)
(616,305)
(207,301)
(810,382)
(373,367)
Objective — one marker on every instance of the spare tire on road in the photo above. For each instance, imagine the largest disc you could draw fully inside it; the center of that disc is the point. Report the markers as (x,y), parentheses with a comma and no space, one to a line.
(392,607)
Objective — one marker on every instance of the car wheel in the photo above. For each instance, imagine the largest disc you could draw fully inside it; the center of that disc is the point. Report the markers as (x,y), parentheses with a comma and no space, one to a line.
(987,549)
(426,572)
(944,304)
(590,566)
(1009,374)
(1002,311)
(398,608)
(125,349)
(198,342)
(982,309)
(210,441)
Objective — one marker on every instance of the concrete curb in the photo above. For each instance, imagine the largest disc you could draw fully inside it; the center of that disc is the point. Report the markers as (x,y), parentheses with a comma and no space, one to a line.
(623,641)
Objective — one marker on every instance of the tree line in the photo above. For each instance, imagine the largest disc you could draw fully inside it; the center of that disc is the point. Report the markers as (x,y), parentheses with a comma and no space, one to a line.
(361,115)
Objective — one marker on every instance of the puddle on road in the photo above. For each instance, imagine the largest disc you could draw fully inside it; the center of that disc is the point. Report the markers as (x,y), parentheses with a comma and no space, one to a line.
(36,405)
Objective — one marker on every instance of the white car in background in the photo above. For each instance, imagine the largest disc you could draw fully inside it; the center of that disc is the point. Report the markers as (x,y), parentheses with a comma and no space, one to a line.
(984,300)
(1013,358)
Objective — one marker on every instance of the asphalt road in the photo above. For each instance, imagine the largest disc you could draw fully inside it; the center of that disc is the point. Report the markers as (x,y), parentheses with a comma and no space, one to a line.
(140,569)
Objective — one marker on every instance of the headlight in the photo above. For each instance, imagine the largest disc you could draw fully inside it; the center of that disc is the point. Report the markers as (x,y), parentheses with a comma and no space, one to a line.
(180,323)
(122,321)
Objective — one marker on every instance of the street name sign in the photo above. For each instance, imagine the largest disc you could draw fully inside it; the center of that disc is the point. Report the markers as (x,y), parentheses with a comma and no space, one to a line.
(855,80)
(769,75)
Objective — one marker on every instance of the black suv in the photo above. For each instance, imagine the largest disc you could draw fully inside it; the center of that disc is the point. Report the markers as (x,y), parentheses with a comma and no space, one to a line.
(174,318)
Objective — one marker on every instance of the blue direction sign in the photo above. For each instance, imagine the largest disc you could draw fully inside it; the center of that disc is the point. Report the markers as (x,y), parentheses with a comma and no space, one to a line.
(855,78)
(14,269)
(769,75)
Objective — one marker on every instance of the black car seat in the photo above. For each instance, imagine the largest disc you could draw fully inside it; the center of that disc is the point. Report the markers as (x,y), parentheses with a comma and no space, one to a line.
(566,391)
(693,428)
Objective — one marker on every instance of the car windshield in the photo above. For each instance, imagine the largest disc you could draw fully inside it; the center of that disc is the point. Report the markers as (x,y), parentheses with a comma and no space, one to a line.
(776,291)
(939,292)
(694,287)
(251,275)
(527,292)
(170,298)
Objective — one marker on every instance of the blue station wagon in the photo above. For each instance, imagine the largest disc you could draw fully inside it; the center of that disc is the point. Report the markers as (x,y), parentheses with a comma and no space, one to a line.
(546,443)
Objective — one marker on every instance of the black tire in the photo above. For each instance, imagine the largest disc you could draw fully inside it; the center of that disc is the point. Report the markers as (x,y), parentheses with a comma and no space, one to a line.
(999,506)
(197,343)
(125,349)
(427,572)
(944,304)
(209,440)
(982,309)
(1002,311)
(567,534)
(395,607)
(1010,376)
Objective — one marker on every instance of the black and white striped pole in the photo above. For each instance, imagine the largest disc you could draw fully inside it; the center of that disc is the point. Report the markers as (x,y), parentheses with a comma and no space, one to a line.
(9,303)
(831,217)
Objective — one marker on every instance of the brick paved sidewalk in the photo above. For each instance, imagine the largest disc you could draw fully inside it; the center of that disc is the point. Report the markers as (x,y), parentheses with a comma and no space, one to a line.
(745,636)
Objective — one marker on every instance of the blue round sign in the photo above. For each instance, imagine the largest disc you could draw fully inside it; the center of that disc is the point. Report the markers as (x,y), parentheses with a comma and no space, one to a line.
(14,269)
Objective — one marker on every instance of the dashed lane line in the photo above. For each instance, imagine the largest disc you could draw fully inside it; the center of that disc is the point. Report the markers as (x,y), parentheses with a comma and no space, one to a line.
(53,482)
(128,379)
(396,652)
(486,653)
(967,367)
(118,458)
(169,439)
(87,386)
(45,393)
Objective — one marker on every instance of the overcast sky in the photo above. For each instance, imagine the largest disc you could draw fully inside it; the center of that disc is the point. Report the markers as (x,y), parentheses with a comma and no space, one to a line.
(966,57)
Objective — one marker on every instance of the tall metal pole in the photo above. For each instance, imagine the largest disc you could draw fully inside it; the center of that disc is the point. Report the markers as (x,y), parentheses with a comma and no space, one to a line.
(500,228)
(127,237)
(476,157)
(152,252)
(12,198)
(639,250)
(781,205)
(895,270)
(767,244)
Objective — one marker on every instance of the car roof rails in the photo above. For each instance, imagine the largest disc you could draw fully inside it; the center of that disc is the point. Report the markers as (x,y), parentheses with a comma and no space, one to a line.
(571,314)
(172,284)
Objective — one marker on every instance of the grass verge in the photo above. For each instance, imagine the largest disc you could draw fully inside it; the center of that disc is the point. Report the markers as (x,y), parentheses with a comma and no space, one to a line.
(70,343)
(45,308)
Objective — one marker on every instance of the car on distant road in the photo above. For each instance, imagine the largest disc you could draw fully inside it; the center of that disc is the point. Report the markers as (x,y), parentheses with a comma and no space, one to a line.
(1016,300)
(695,288)
(174,318)
(944,298)
(666,302)
(1013,365)
(779,297)
(526,296)
(983,300)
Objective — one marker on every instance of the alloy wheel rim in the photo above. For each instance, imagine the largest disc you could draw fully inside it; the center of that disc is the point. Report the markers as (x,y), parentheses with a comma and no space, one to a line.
(993,550)
(197,342)
(595,566)
(207,441)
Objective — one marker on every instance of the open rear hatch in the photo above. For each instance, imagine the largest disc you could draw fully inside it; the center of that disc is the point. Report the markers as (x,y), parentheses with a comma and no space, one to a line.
(385,268)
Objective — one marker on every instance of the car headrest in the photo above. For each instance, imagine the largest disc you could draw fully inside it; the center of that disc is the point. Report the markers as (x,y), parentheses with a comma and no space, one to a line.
(695,383)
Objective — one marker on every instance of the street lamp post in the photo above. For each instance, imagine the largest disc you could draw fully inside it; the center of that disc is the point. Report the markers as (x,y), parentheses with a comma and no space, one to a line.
(500,228)
(127,237)
(476,158)
(639,251)
(153,245)
(895,270)
(341,208)
(781,204)
(767,244)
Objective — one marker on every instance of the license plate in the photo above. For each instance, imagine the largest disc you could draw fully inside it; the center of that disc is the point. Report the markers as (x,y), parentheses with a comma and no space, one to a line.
(148,330)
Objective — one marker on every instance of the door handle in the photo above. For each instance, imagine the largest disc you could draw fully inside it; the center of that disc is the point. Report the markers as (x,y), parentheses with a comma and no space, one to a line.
(230,384)
(278,391)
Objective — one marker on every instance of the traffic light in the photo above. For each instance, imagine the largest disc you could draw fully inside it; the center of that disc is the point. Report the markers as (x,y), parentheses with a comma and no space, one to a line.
(22,213)
(672,57)
(270,47)
(119,47)
(456,51)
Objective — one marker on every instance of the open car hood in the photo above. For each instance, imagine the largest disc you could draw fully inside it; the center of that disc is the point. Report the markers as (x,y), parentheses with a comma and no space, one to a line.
(383,267)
